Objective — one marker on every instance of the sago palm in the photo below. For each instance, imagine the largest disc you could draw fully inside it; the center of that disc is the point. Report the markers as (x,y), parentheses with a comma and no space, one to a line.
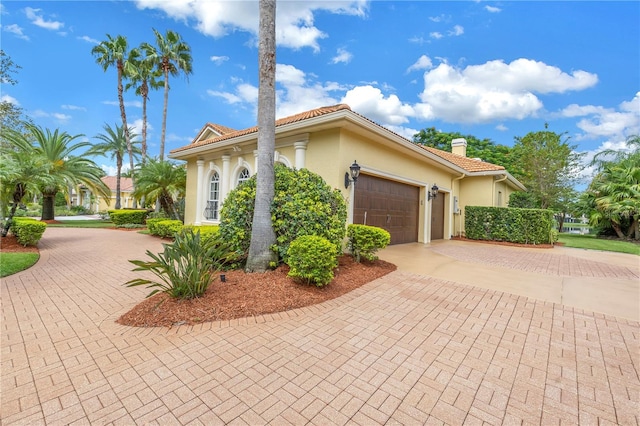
(171,55)
(114,146)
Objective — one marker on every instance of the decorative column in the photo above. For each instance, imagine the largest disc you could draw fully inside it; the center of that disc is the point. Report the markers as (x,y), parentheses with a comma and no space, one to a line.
(255,161)
(301,153)
(199,194)
(226,176)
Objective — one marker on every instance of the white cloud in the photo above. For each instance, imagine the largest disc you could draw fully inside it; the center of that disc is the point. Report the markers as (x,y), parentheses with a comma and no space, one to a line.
(89,39)
(502,127)
(436,35)
(295,20)
(219,59)
(494,90)
(136,126)
(423,63)
(607,122)
(492,9)
(371,102)
(36,18)
(73,107)
(342,56)
(16,30)
(440,18)
(109,169)
(418,40)
(134,104)
(9,99)
(457,30)
(57,116)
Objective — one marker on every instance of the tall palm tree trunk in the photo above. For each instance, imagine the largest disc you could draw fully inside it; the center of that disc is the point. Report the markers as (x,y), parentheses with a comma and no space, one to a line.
(118,178)
(48,205)
(123,115)
(164,110)
(18,194)
(262,234)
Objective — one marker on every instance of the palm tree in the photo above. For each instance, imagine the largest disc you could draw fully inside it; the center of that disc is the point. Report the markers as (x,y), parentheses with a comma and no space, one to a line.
(142,78)
(171,55)
(114,145)
(262,234)
(616,190)
(22,172)
(56,150)
(163,181)
(114,51)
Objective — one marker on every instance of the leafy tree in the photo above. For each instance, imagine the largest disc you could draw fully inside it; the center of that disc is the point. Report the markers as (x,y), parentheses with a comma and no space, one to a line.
(114,146)
(614,193)
(164,181)
(115,52)
(171,55)
(522,200)
(142,78)
(262,234)
(11,115)
(485,149)
(549,165)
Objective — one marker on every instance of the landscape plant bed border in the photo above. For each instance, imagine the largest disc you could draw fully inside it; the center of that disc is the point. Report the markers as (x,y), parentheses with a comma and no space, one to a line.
(252,294)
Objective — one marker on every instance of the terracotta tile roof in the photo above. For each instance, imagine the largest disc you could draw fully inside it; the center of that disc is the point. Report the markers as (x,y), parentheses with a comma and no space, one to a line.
(469,164)
(126,184)
(223,130)
(286,120)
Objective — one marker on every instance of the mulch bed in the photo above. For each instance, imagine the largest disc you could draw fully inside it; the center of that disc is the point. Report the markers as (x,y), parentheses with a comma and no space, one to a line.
(10,244)
(252,294)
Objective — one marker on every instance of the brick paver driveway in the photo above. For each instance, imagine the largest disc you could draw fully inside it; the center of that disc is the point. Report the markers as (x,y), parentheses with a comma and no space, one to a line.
(405,349)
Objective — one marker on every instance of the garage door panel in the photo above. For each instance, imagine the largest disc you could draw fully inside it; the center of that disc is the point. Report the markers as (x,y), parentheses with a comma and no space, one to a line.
(390,205)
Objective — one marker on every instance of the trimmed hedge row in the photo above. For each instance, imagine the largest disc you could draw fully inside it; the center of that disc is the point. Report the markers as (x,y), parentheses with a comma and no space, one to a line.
(123,217)
(168,228)
(523,226)
(28,231)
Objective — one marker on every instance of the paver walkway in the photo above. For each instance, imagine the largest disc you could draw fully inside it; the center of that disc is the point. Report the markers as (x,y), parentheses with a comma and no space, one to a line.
(404,349)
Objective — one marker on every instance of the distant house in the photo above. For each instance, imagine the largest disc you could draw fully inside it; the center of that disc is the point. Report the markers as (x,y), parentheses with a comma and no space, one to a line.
(392,191)
(96,203)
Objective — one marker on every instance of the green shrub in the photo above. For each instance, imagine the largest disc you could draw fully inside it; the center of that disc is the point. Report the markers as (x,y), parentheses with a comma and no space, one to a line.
(303,204)
(312,259)
(365,240)
(186,267)
(121,217)
(205,230)
(164,228)
(523,226)
(28,231)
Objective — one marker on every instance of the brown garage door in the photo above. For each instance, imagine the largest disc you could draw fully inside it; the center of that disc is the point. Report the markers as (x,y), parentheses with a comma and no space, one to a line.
(388,204)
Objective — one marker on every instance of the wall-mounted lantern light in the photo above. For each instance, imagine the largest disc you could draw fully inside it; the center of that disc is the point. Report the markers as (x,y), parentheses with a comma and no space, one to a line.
(352,175)
(433,193)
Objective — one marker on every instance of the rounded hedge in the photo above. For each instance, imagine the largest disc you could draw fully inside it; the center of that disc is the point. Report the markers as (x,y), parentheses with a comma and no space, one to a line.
(303,204)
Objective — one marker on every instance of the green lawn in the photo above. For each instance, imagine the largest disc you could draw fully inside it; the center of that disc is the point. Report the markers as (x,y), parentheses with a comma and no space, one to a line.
(590,242)
(82,224)
(10,263)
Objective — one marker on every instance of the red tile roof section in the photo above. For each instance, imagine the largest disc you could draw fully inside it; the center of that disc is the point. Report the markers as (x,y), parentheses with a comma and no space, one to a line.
(468,164)
(126,184)
(286,120)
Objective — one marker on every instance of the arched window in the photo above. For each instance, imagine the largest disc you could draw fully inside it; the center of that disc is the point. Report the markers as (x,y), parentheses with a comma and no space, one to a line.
(211,211)
(243,175)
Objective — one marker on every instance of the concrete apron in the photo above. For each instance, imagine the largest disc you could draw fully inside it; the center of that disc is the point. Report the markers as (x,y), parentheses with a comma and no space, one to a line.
(613,296)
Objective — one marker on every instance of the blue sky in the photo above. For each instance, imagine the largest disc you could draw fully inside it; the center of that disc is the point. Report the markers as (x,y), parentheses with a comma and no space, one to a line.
(490,69)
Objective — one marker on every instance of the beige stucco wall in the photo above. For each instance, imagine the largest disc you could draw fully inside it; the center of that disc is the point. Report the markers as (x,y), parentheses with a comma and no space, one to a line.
(330,153)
